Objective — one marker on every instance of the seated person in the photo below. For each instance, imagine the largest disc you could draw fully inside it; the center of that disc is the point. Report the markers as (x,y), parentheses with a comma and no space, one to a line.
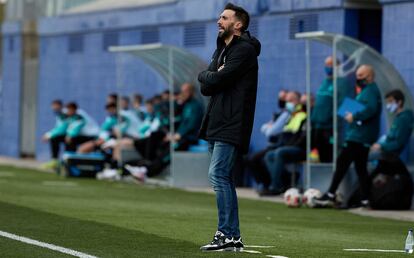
(393,143)
(138,106)
(292,150)
(106,133)
(129,121)
(150,125)
(112,98)
(275,126)
(81,127)
(186,134)
(56,135)
(362,132)
(270,129)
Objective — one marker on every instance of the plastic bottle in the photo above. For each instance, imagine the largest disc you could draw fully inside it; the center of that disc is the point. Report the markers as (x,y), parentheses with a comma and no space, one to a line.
(409,242)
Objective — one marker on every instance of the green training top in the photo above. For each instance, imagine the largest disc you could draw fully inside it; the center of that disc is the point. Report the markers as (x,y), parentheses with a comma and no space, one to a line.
(366,125)
(60,126)
(400,133)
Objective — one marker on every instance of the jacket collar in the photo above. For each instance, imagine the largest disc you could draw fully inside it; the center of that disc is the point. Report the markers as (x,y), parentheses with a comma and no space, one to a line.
(221,43)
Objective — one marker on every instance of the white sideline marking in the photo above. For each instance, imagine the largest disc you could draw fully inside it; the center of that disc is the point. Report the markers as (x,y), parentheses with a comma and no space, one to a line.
(59,183)
(276,256)
(250,251)
(46,245)
(375,250)
(259,246)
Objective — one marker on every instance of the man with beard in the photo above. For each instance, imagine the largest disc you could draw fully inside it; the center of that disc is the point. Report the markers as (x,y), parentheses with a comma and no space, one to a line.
(231,83)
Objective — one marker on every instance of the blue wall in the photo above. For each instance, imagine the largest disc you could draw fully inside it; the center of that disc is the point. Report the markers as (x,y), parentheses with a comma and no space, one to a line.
(10,92)
(398,38)
(88,76)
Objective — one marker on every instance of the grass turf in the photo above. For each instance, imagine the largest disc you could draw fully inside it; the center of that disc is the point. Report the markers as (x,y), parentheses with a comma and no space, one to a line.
(110,219)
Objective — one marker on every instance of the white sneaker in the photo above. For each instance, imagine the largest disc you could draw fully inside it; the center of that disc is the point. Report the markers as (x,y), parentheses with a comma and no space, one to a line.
(111,174)
(139,173)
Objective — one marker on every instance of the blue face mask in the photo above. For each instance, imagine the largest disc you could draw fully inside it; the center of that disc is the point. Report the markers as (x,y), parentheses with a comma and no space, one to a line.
(290,107)
(57,112)
(329,70)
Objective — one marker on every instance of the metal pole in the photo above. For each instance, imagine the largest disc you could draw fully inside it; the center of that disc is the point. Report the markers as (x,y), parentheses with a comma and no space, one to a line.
(118,136)
(335,106)
(308,122)
(171,88)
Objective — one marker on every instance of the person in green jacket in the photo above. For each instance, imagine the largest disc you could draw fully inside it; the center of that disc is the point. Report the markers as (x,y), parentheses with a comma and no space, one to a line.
(393,143)
(80,128)
(106,132)
(190,119)
(322,112)
(56,136)
(185,135)
(361,133)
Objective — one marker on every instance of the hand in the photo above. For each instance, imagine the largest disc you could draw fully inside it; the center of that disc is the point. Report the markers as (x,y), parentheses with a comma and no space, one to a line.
(376,147)
(176,137)
(68,139)
(349,117)
(45,138)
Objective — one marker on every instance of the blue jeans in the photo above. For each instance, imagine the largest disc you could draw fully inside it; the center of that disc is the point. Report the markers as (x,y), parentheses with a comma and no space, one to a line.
(223,156)
(277,159)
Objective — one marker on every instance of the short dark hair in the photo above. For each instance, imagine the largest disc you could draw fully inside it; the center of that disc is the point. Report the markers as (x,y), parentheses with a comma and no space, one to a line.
(398,95)
(57,102)
(138,98)
(72,105)
(110,105)
(241,14)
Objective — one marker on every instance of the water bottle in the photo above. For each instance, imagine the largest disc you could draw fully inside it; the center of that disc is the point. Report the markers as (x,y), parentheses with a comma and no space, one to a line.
(409,242)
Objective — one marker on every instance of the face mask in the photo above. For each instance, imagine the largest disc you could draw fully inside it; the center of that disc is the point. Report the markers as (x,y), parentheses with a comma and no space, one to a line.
(361,83)
(329,70)
(57,112)
(282,104)
(392,107)
(290,107)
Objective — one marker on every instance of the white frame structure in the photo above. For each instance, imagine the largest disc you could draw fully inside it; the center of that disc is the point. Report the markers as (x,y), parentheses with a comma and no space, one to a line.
(175,65)
(387,78)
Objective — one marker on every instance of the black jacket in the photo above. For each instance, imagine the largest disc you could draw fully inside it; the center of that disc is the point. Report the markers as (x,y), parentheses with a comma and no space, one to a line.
(230,112)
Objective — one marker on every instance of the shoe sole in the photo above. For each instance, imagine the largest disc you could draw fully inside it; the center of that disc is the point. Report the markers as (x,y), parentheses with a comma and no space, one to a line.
(324,203)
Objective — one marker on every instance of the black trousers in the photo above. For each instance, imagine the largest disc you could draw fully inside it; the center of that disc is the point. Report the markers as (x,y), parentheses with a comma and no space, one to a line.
(321,141)
(55,145)
(358,154)
(258,167)
(76,141)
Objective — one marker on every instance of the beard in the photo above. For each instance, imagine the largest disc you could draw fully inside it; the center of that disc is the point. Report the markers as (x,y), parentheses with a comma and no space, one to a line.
(227,32)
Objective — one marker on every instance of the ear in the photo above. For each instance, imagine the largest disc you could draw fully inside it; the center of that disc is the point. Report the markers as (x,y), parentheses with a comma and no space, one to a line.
(238,25)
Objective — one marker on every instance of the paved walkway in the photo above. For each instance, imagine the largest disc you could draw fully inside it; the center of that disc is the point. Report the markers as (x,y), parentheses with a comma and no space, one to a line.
(246,193)
(22,163)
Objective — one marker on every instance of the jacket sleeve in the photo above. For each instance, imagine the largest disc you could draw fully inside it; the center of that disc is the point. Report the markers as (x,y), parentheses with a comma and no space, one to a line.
(213,82)
(371,107)
(58,130)
(75,127)
(399,139)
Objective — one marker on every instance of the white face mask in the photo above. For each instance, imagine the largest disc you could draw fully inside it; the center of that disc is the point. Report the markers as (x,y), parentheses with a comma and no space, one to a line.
(290,107)
(392,107)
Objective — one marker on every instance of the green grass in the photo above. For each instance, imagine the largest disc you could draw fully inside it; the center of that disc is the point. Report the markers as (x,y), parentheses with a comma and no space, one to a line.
(110,219)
